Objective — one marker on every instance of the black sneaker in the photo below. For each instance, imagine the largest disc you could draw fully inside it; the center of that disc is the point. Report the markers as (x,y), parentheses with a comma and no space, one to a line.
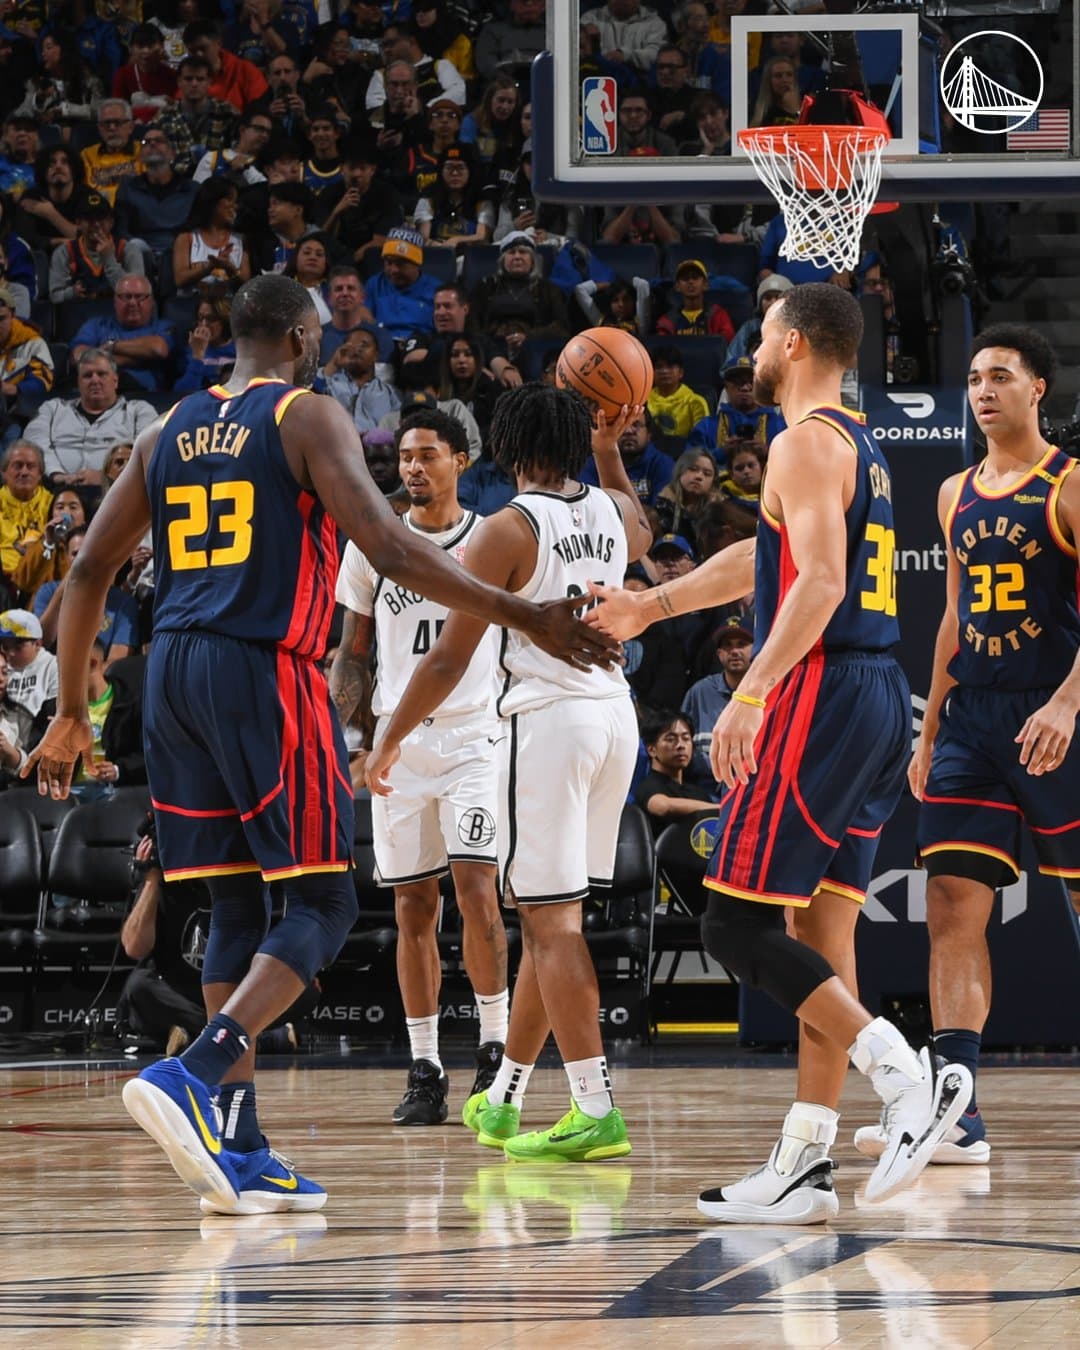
(488,1058)
(424,1102)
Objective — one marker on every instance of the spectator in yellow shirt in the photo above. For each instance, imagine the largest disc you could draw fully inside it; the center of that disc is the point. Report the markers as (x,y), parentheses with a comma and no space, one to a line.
(24,501)
(673,405)
(116,155)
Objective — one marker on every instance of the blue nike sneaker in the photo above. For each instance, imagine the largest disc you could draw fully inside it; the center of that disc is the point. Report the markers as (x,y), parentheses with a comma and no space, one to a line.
(179,1112)
(267,1183)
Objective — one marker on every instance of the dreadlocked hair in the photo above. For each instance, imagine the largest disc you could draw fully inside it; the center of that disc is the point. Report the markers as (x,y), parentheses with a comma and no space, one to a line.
(537,426)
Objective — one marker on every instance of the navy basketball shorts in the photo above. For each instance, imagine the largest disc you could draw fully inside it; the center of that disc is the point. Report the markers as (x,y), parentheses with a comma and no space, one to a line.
(978,794)
(247,765)
(832,756)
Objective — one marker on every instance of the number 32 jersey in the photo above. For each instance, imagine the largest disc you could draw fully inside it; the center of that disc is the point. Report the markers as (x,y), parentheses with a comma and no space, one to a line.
(240,547)
(866,617)
(1017,608)
(407,626)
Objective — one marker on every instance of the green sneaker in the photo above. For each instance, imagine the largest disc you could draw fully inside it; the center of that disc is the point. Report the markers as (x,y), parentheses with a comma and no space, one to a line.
(493,1125)
(575,1138)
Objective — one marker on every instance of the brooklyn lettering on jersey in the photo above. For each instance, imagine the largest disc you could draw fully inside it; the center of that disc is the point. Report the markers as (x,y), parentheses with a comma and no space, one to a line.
(397,599)
(573,547)
(998,588)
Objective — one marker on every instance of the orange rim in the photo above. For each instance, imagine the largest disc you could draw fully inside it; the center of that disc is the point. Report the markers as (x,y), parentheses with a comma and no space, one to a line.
(826,154)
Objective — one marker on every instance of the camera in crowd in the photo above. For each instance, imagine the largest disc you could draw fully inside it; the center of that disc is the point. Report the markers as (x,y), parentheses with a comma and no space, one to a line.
(1066,437)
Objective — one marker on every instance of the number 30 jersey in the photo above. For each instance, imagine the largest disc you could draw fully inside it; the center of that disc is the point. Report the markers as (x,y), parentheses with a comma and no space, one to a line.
(407,626)
(1018,622)
(240,547)
(866,617)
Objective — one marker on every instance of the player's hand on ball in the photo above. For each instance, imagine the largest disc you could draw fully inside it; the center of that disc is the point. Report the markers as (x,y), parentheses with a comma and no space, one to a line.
(605,435)
(1045,737)
(377,768)
(618,613)
(732,751)
(66,739)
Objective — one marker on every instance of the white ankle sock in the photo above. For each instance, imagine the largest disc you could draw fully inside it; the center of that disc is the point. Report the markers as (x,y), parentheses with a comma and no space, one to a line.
(510,1083)
(494,1011)
(590,1086)
(881,1045)
(424,1038)
(808,1134)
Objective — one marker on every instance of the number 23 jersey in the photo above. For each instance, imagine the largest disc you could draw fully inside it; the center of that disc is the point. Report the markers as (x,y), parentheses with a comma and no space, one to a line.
(407,625)
(240,547)
(865,620)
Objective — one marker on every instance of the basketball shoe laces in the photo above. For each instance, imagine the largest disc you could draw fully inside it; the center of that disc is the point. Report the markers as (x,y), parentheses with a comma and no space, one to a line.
(424,1089)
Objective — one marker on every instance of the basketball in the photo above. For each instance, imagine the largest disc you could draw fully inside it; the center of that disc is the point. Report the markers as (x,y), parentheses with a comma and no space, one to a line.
(607,367)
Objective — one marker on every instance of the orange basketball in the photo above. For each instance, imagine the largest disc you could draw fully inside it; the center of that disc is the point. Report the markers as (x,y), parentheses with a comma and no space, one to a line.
(607,367)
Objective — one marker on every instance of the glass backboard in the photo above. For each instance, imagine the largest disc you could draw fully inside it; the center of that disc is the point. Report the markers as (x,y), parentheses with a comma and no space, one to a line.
(981,97)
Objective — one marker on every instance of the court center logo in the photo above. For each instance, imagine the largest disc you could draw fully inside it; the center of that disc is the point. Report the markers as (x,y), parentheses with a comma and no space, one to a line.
(476,827)
(992,82)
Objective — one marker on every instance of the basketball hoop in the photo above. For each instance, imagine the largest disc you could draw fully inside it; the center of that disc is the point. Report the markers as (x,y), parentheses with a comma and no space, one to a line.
(826,179)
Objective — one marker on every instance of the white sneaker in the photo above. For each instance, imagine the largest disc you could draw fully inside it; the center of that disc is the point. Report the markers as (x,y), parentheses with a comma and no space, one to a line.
(917,1116)
(965,1144)
(802,1196)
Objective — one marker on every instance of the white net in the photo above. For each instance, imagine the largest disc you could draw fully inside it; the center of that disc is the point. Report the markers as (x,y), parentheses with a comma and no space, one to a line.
(826,180)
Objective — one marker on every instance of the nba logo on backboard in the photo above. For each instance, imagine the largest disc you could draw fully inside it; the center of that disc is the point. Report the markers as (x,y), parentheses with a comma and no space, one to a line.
(598,95)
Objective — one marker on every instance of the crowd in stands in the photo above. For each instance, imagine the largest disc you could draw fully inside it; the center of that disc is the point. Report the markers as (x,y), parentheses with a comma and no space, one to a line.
(157,153)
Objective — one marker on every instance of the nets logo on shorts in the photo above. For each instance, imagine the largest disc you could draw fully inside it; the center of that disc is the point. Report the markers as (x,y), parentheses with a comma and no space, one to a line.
(476,828)
(598,127)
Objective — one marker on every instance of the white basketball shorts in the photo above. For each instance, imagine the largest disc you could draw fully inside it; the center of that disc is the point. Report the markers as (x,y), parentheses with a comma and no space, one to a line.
(445,803)
(568,770)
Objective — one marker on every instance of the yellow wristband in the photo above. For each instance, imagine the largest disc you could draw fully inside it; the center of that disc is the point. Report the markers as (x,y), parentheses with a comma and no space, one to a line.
(748,698)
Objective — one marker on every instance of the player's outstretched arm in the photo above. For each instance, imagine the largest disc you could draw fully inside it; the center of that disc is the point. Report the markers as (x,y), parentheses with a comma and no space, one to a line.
(320,437)
(121,521)
(944,649)
(810,474)
(492,555)
(611,471)
(726,576)
(1045,737)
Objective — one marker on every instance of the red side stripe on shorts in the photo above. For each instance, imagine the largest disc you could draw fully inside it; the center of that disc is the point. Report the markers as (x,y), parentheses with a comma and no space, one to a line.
(195,815)
(306,578)
(971,801)
(274,791)
(1054,829)
(793,748)
(866,834)
(323,739)
(311,827)
(759,789)
(290,737)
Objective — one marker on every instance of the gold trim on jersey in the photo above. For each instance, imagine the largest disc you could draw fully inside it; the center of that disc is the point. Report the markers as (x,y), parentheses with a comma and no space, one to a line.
(1056,532)
(950,514)
(1036,471)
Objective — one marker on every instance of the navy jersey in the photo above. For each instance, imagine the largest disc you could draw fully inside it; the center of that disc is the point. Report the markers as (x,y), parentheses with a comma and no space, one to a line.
(866,617)
(240,547)
(1019,627)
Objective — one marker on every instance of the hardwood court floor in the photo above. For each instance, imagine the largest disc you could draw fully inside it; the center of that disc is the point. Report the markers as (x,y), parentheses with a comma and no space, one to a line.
(430,1240)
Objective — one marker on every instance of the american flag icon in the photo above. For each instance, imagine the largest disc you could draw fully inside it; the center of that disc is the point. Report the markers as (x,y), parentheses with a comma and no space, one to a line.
(1047,129)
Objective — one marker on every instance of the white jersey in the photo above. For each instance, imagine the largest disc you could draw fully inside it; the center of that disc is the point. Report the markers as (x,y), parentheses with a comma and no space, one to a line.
(407,624)
(580,538)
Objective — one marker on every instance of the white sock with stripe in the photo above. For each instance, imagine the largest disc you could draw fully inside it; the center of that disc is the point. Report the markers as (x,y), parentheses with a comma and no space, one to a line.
(510,1083)
(494,1013)
(424,1038)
